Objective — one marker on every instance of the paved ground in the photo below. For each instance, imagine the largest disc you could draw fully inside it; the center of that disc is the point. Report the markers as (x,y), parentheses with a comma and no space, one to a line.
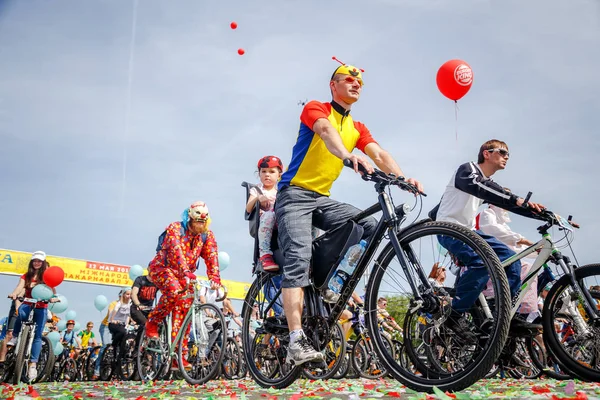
(303,389)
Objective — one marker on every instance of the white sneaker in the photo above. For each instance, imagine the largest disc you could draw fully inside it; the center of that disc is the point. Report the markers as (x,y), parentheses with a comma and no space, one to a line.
(301,351)
(12,342)
(32,373)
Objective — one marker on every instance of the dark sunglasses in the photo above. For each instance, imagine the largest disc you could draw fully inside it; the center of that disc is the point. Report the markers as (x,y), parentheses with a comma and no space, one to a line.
(502,152)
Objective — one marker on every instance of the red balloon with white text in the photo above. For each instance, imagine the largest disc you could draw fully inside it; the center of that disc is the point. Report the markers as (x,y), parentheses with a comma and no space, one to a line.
(454,79)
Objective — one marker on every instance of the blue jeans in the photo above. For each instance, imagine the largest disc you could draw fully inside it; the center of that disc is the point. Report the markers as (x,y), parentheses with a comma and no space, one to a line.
(39,317)
(472,282)
(104,336)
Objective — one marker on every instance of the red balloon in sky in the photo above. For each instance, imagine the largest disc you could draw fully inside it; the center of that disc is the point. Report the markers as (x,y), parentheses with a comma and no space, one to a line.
(241,52)
(233,25)
(454,79)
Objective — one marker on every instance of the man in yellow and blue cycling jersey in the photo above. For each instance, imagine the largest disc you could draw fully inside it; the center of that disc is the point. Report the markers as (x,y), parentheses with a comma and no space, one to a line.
(327,136)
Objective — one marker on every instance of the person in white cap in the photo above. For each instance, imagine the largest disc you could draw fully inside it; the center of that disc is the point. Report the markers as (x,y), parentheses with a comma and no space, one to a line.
(33,276)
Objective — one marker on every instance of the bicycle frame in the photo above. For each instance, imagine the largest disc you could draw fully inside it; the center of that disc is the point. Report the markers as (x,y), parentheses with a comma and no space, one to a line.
(30,322)
(547,252)
(391,220)
(190,314)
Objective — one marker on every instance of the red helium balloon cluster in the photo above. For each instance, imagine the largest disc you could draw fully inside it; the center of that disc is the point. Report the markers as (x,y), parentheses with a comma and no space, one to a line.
(454,79)
(234,25)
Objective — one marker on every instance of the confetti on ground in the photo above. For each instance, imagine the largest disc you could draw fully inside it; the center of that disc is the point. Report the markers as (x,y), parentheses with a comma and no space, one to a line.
(354,389)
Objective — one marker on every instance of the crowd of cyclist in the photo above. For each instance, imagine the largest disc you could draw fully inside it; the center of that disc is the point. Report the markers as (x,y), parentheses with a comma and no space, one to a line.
(129,312)
(288,201)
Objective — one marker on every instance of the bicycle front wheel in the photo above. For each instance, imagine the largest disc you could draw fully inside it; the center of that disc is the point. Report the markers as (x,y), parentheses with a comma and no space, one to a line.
(459,349)
(335,353)
(203,339)
(232,359)
(90,363)
(22,356)
(127,362)
(365,360)
(572,335)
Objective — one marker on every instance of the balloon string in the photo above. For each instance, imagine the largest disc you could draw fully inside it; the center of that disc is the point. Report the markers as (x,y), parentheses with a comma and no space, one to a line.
(456,119)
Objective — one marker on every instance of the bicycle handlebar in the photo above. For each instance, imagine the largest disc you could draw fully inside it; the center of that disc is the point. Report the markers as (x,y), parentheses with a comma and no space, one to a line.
(550,217)
(379,176)
(28,300)
(207,285)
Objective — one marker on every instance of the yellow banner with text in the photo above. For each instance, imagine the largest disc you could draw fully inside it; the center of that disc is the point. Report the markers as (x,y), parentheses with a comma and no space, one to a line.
(14,262)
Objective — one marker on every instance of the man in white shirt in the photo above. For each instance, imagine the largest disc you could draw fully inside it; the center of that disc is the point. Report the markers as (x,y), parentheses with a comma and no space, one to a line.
(468,188)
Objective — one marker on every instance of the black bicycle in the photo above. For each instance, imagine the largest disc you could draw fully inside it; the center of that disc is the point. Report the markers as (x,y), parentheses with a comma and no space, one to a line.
(399,270)
(120,361)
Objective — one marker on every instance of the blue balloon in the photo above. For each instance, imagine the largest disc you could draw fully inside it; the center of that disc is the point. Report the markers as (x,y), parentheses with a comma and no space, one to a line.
(135,271)
(100,302)
(58,348)
(62,325)
(77,326)
(61,306)
(223,260)
(54,337)
(42,292)
(71,314)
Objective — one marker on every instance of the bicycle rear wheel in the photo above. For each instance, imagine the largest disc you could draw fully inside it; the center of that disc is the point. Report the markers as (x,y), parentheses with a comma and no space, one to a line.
(207,331)
(153,355)
(265,353)
(46,360)
(569,332)
(465,358)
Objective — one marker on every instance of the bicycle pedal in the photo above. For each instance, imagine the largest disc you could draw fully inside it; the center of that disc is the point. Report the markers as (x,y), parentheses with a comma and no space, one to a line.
(322,365)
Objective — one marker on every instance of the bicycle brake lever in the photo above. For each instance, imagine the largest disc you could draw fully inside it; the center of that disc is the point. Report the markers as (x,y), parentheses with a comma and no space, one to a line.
(524,205)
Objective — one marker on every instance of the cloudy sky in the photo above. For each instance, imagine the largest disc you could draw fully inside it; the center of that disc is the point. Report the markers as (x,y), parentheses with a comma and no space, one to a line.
(116,115)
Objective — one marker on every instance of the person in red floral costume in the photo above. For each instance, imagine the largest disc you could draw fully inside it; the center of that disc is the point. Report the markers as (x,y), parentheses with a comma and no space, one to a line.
(174,265)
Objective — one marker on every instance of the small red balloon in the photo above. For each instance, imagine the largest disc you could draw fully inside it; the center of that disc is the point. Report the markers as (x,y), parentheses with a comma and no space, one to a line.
(241,52)
(233,25)
(53,276)
(454,79)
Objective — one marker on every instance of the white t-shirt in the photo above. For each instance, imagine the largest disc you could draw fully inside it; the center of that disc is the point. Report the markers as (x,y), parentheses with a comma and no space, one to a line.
(209,295)
(121,312)
(270,194)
